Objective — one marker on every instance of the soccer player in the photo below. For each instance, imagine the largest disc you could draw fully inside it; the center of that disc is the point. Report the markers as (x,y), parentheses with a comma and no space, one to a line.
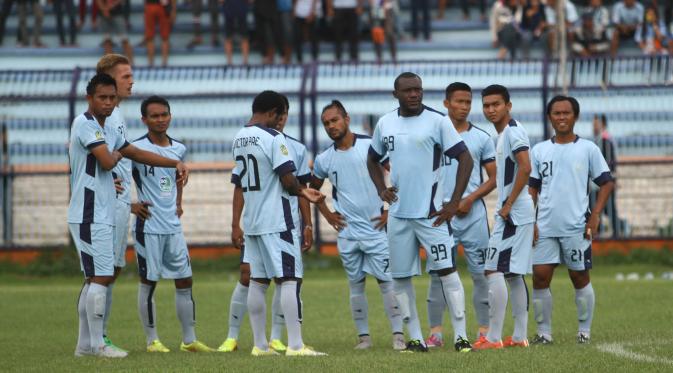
(299,206)
(161,250)
(119,68)
(509,253)
(360,219)
(415,138)
(92,207)
(264,174)
(562,168)
(470,225)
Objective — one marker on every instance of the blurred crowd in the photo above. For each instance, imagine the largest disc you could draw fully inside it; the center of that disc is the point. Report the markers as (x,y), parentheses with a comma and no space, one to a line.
(283,28)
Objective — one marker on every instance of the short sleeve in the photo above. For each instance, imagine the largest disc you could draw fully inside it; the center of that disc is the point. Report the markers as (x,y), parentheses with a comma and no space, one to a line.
(280,156)
(598,167)
(319,170)
(303,172)
(120,141)
(90,134)
(487,151)
(452,143)
(518,140)
(236,172)
(534,181)
(376,148)
(183,153)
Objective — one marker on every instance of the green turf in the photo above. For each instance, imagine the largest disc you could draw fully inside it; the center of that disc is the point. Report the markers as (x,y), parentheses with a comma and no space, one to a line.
(38,328)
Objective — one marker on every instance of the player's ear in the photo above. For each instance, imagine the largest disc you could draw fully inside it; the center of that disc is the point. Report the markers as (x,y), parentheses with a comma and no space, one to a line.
(509,106)
(446,103)
(395,94)
(347,120)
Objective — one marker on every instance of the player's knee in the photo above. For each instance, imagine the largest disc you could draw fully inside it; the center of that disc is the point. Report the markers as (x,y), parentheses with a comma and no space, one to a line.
(145,281)
(103,280)
(280,280)
(183,283)
(117,271)
(445,271)
(244,278)
(264,281)
(580,279)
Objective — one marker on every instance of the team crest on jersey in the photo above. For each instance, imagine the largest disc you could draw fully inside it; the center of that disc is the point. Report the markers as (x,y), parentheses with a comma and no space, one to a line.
(99,135)
(165,184)
(283,150)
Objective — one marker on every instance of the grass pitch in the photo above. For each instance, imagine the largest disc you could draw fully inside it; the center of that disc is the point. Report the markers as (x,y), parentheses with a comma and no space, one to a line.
(631,332)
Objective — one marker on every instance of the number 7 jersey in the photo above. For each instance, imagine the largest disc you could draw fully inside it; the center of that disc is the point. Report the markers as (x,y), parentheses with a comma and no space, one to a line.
(262,157)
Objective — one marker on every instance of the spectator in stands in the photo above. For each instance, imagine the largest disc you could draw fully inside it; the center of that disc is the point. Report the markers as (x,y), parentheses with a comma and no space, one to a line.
(344,15)
(571,18)
(505,32)
(608,149)
(113,26)
(533,25)
(267,27)
(382,16)
(236,22)
(82,14)
(306,15)
(422,6)
(214,12)
(157,13)
(588,40)
(67,6)
(285,26)
(24,35)
(626,16)
(600,13)
(651,35)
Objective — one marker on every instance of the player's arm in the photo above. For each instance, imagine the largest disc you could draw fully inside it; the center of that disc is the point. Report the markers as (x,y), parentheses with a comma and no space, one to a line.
(152,159)
(601,199)
(178,199)
(106,159)
(236,212)
(520,181)
(484,189)
(305,211)
(450,208)
(376,174)
(333,218)
(292,186)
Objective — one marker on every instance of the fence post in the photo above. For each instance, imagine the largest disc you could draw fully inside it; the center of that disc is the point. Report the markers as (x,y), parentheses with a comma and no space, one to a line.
(72,97)
(314,145)
(305,75)
(544,95)
(4,194)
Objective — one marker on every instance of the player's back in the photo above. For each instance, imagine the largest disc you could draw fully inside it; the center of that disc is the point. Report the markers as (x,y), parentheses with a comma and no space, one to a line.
(158,186)
(261,156)
(512,140)
(122,170)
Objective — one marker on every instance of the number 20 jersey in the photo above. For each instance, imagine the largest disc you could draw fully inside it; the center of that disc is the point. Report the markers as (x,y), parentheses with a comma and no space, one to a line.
(262,157)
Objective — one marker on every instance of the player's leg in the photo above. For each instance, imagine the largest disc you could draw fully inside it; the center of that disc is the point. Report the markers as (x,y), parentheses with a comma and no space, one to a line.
(83,338)
(260,277)
(475,244)
(277,322)
(577,256)
(441,252)
(519,265)
(436,307)
(546,256)
(237,306)
(495,267)
(352,259)
(149,272)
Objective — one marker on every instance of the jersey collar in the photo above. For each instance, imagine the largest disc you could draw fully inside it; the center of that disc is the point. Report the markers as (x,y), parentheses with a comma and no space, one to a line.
(419,113)
(553,139)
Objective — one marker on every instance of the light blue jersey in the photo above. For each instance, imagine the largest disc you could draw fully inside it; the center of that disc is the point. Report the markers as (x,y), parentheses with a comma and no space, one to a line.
(123,168)
(262,157)
(482,150)
(561,173)
(415,146)
(354,195)
(512,140)
(158,186)
(299,156)
(92,188)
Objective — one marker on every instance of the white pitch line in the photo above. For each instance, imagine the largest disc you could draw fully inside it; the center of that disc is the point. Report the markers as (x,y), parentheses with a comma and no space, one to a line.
(619,350)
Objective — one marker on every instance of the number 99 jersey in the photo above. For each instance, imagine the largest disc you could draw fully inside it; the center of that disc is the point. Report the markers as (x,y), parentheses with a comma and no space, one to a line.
(262,157)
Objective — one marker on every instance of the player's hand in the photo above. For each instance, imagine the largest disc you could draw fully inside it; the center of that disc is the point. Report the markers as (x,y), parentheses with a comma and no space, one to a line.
(183,173)
(536,234)
(117,156)
(118,186)
(381,220)
(308,238)
(389,195)
(505,210)
(178,211)
(336,220)
(312,195)
(237,237)
(141,209)
(447,213)
(464,206)
(591,227)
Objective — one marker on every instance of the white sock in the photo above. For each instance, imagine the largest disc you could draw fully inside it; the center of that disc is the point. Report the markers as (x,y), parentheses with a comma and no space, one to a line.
(290,301)
(585,300)
(454,296)
(237,308)
(406,297)
(147,311)
(277,317)
(436,303)
(519,300)
(497,304)
(108,307)
(95,310)
(84,338)
(480,298)
(542,309)
(257,312)
(185,307)
(391,307)
(359,307)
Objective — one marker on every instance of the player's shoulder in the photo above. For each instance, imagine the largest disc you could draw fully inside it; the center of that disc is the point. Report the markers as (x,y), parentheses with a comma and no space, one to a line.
(179,145)
(542,145)
(586,144)
(480,133)
(514,127)
(84,119)
(142,139)
(294,142)
(325,153)
(392,115)
(431,112)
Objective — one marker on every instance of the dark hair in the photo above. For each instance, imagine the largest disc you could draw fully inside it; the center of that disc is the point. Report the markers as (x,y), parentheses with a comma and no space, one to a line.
(405,75)
(604,119)
(496,89)
(286,101)
(153,100)
(457,86)
(267,101)
(99,79)
(337,105)
(559,98)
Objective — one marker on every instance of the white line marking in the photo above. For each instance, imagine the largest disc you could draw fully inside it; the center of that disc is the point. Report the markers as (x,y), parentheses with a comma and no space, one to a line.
(619,350)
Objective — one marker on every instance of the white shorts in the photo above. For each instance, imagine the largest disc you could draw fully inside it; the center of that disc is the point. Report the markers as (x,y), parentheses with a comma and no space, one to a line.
(273,255)
(364,257)
(404,238)
(94,246)
(121,233)
(162,256)
(574,251)
(510,248)
(474,238)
